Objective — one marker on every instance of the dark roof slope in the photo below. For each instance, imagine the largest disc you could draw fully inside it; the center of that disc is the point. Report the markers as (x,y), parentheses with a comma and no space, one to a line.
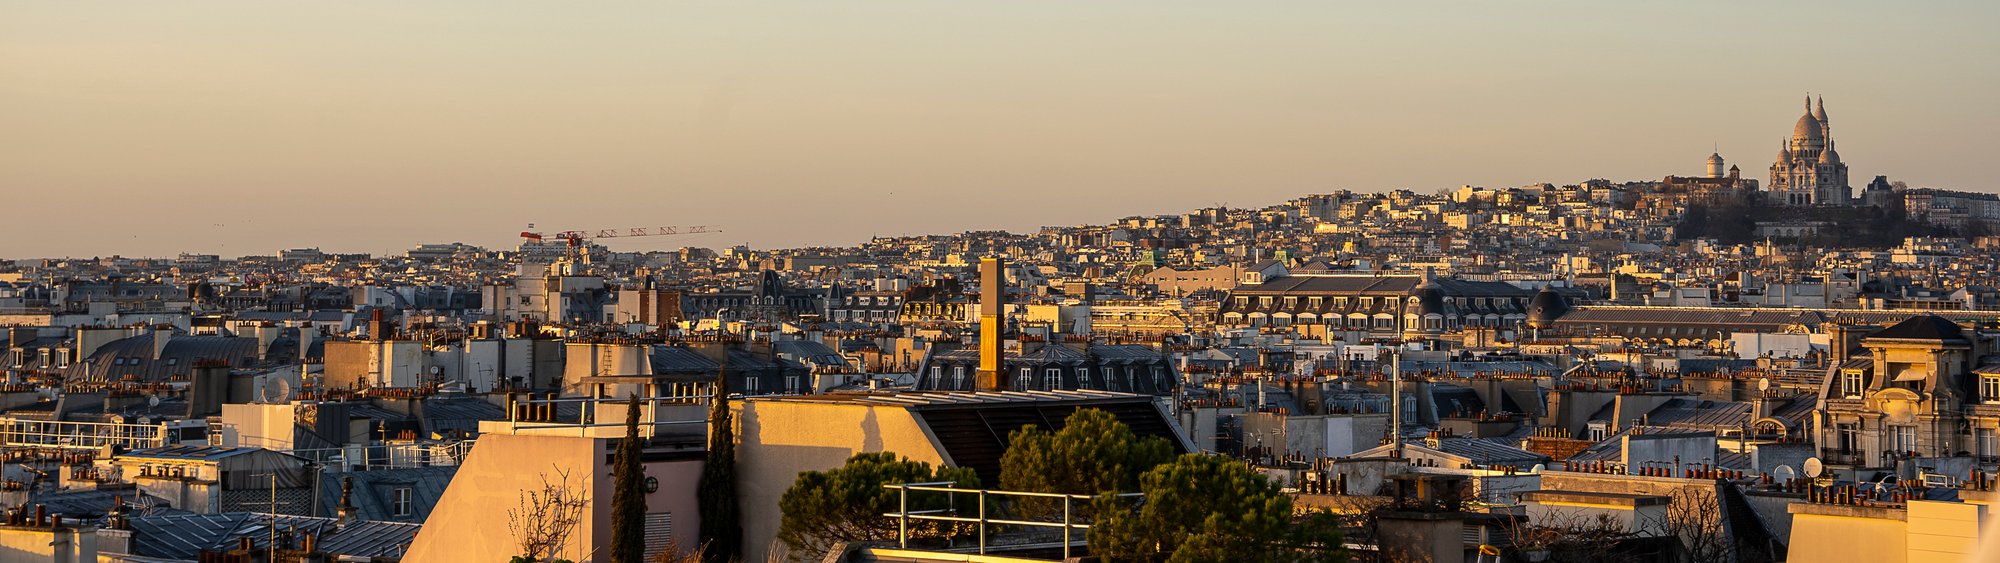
(1923,327)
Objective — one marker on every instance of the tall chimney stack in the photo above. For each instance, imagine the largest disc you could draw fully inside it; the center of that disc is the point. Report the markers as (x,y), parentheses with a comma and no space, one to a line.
(992,321)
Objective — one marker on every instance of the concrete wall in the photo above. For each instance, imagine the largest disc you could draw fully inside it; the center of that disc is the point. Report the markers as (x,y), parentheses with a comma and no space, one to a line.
(679,483)
(1859,534)
(470,521)
(1946,531)
(44,545)
(257,425)
(779,439)
(1689,449)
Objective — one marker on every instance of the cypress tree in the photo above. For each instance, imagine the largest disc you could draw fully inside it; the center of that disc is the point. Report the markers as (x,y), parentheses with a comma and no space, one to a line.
(628,497)
(721,525)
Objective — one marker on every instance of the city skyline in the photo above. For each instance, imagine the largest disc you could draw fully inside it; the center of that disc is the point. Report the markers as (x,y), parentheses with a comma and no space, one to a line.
(339,126)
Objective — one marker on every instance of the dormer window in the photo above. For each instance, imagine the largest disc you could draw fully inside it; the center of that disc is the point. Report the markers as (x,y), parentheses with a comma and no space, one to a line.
(1989,388)
(1850,384)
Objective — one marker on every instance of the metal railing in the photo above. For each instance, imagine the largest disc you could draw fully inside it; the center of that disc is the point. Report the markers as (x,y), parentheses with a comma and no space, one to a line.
(904,515)
(586,417)
(390,456)
(27,433)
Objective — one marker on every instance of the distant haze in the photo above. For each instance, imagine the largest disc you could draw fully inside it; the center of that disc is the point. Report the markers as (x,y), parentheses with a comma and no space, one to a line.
(150,128)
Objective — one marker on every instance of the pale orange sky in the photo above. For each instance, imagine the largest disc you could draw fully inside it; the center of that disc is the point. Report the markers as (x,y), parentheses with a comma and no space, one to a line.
(146,129)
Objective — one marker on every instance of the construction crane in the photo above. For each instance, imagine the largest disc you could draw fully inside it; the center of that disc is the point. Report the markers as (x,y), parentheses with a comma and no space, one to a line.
(577,253)
(576,238)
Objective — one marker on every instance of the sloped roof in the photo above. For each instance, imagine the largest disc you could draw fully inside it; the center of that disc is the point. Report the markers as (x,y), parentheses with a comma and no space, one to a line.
(185,536)
(374,491)
(1922,327)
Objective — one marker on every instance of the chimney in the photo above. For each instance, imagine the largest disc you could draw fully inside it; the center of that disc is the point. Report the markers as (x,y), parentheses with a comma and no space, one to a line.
(345,516)
(1841,344)
(161,334)
(376,328)
(992,321)
(266,333)
(306,336)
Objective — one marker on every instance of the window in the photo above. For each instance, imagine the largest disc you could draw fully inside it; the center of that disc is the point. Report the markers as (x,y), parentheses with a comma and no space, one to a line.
(750,384)
(1850,383)
(958,377)
(402,502)
(1987,441)
(1083,377)
(1989,388)
(937,376)
(1027,376)
(1902,438)
(1850,437)
(1052,379)
(792,384)
(1160,378)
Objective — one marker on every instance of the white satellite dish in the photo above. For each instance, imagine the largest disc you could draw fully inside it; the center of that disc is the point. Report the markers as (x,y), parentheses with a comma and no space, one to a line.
(1536,469)
(1763,384)
(1813,467)
(274,390)
(1784,473)
(152,400)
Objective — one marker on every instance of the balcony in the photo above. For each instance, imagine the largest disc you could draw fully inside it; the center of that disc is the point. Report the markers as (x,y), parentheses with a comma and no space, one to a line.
(1845,457)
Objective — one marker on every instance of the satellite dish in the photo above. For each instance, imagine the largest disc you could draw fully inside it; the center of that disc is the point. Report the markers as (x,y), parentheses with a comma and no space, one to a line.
(1763,384)
(274,390)
(152,400)
(1784,473)
(1536,469)
(1814,468)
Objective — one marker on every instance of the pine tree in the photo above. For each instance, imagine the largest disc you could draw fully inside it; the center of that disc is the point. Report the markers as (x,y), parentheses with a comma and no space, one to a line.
(721,526)
(628,497)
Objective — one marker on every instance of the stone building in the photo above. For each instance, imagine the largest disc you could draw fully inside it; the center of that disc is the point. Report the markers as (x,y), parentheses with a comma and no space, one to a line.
(1377,306)
(1808,170)
(1918,389)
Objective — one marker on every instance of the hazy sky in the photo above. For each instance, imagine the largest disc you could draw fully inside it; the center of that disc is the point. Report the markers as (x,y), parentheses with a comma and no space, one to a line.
(149,128)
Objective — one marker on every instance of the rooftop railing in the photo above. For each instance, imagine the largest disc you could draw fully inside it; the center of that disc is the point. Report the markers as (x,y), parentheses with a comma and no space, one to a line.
(46,434)
(982,521)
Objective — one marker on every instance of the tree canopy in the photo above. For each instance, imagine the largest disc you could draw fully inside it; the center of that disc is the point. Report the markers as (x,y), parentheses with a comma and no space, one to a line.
(1093,453)
(846,503)
(1209,508)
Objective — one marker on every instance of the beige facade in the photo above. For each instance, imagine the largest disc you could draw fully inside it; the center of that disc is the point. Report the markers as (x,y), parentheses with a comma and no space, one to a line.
(778,439)
(1918,391)
(471,520)
(1923,531)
